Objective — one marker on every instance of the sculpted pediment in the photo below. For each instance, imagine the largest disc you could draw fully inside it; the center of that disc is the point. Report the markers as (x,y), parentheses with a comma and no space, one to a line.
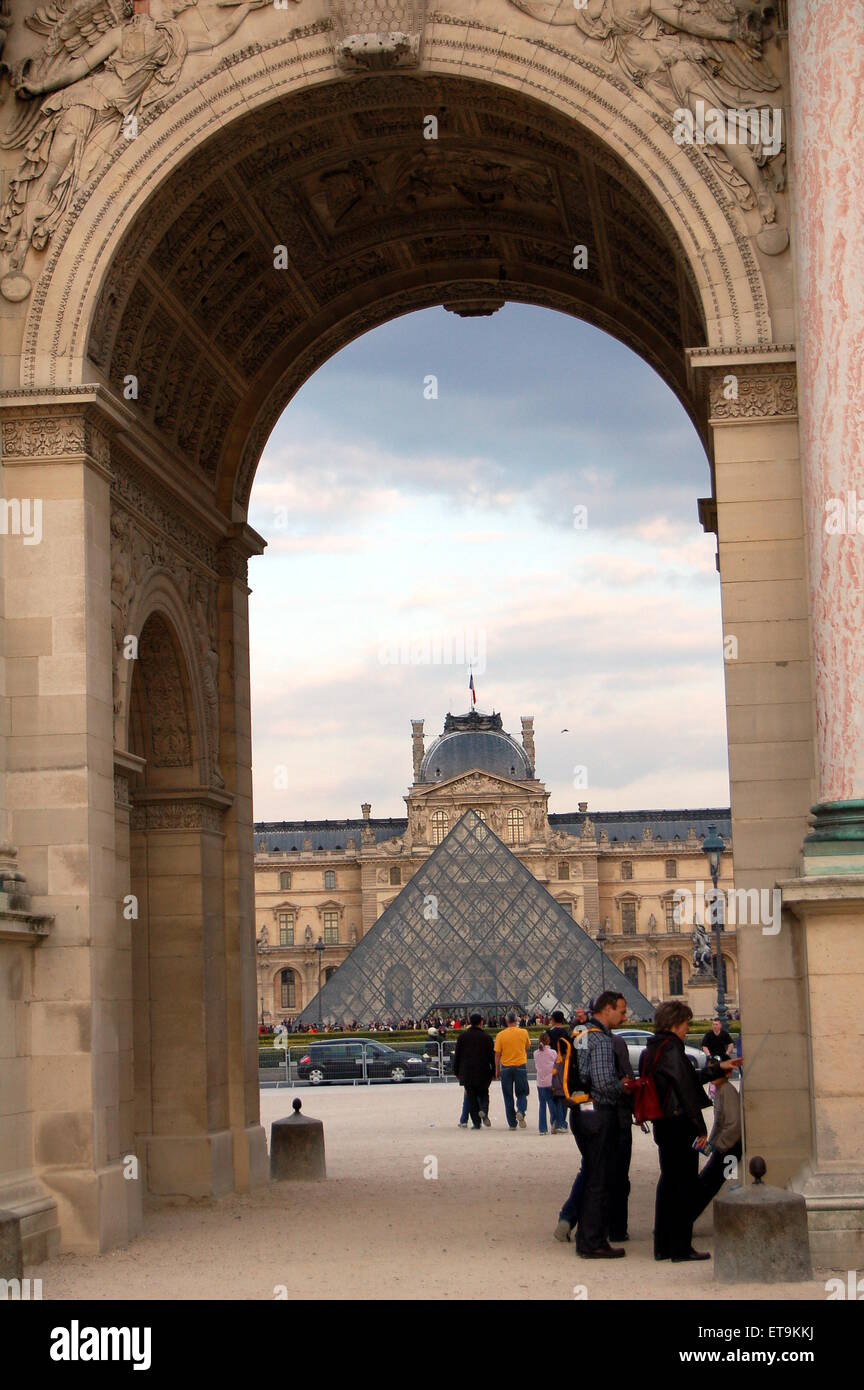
(476,783)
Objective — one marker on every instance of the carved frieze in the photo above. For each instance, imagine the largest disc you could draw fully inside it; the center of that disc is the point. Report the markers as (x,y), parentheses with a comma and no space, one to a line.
(753,392)
(54,437)
(181,814)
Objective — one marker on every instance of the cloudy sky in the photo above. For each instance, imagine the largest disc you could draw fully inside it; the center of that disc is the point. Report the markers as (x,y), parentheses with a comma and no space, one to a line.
(401,529)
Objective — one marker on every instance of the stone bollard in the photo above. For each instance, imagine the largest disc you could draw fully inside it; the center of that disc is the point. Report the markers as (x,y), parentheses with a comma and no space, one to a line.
(760,1234)
(11,1259)
(297,1148)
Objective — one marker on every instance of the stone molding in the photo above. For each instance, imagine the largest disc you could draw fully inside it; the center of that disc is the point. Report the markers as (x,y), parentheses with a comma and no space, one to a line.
(53,435)
(182,811)
(764,391)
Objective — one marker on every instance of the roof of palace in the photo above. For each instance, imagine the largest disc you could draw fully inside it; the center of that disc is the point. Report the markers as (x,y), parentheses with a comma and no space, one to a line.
(323,834)
(622,827)
(475,740)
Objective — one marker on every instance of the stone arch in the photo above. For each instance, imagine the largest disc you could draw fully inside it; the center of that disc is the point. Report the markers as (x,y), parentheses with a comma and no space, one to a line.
(168,667)
(542,127)
(179,973)
(605,148)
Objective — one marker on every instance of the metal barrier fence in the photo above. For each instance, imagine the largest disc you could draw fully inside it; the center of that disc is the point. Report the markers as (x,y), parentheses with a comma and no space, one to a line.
(358,1062)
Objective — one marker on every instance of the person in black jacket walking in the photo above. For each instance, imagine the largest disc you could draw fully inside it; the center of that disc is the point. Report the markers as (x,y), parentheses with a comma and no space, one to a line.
(683,1099)
(474,1065)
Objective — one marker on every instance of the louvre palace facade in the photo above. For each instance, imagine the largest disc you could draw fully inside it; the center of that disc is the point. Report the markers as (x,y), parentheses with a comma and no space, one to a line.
(320,886)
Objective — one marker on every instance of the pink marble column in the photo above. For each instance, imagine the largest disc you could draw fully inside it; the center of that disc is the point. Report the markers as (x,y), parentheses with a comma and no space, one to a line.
(826,44)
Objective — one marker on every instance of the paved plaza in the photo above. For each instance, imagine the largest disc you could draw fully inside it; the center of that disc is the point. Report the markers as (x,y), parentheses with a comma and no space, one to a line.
(378,1228)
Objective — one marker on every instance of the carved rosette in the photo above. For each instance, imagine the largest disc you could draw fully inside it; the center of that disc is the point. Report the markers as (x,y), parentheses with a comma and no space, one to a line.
(758,392)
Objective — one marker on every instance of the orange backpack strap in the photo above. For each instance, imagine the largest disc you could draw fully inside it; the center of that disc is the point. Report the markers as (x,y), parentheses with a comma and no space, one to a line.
(580,1096)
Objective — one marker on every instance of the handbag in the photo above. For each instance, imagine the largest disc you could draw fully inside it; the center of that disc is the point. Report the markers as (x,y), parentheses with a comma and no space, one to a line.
(646,1099)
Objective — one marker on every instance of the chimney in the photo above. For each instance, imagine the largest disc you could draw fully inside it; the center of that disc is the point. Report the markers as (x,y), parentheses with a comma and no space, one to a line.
(528,737)
(417,746)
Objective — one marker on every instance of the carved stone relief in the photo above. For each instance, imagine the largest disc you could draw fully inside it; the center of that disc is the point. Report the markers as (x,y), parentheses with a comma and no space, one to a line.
(100,65)
(176,815)
(179,550)
(704,56)
(167,712)
(364,209)
(757,392)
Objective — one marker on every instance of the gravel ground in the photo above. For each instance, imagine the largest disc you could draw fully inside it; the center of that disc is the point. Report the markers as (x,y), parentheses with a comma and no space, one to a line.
(380,1229)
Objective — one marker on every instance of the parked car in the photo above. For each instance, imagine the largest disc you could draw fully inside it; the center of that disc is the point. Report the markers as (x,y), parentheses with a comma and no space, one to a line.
(637,1040)
(343,1061)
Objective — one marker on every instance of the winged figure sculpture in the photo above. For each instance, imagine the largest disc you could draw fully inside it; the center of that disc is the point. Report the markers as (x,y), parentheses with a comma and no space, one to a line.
(102,63)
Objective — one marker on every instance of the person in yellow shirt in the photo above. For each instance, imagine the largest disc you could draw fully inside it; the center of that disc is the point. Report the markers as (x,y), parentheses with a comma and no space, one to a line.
(511,1069)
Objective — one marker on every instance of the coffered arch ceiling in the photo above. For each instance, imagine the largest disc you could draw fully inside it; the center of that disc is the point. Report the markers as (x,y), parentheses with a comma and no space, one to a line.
(376,220)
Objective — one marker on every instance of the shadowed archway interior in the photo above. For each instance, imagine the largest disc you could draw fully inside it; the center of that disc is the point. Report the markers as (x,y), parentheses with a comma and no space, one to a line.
(367,219)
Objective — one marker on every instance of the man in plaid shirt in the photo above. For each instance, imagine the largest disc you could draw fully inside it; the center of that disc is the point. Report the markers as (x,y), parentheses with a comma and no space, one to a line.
(595,1129)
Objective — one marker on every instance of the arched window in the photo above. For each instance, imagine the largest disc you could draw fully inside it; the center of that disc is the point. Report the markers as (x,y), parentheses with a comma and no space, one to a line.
(479,813)
(396,875)
(676,975)
(288,982)
(439,826)
(630,966)
(626,868)
(286,928)
(329,878)
(628,917)
(563,869)
(515,827)
(331,928)
(285,879)
(671,868)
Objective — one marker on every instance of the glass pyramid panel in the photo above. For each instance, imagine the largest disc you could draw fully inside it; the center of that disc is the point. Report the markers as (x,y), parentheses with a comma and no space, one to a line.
(472,929)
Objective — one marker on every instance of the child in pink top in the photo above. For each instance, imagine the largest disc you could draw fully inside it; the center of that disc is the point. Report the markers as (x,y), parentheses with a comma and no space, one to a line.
(544,1062)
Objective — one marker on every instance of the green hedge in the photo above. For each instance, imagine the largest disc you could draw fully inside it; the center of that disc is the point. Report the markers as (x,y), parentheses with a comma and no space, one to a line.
(698,1028)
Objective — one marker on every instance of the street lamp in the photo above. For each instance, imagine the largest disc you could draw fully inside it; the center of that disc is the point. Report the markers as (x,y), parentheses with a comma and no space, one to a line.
(319,947)
(713,847)
(601,942)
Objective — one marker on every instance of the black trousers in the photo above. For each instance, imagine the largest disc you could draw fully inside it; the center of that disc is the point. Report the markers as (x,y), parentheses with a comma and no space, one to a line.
(478,1103)
(675,1202)
(619,1194)
(712,1177)
(596,1133)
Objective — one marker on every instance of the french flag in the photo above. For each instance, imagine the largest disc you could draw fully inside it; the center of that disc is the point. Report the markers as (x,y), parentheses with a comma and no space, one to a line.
(471,688)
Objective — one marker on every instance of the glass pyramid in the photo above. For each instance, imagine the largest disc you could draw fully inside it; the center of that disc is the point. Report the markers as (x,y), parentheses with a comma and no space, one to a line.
(472,929)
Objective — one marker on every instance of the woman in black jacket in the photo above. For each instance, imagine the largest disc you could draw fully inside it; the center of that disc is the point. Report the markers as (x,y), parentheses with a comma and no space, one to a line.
(683,1099)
